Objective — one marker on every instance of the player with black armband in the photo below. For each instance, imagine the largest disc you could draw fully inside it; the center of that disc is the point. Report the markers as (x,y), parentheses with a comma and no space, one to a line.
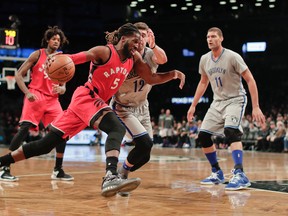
(109,67)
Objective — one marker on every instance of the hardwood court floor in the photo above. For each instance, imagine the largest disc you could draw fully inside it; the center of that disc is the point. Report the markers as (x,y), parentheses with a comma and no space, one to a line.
(170,186)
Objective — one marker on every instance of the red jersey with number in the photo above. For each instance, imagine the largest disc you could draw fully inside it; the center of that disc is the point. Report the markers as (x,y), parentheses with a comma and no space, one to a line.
(107,78)
(103,82)
(39,78)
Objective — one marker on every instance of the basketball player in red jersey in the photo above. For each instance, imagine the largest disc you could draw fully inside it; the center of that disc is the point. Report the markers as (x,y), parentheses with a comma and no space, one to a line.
(41,99)
(110,65)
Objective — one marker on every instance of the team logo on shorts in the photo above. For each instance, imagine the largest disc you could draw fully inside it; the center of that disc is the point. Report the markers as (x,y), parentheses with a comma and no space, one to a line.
(234,119)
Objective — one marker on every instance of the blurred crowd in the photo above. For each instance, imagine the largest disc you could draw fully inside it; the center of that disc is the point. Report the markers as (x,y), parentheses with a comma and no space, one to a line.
(270,137)
(169,132)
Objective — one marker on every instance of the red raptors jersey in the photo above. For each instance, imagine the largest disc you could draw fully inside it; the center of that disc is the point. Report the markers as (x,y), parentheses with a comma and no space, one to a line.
(109,77)
(39,78)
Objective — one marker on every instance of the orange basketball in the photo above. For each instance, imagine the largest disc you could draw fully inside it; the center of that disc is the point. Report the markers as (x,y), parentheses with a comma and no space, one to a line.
(61,69)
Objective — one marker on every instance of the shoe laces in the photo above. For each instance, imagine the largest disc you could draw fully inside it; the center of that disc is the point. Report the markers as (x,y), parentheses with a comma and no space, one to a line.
(235,177)
(6,169)
(111,177)
(214,175)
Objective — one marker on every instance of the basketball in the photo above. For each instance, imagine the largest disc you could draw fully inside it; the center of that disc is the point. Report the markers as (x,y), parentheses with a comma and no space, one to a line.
(61,69)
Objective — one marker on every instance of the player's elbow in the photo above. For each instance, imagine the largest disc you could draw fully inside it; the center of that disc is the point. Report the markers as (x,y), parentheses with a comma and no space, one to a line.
(162,60)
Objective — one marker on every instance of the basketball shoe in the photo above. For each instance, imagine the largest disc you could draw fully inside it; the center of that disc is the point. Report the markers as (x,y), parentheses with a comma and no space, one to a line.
(124,175)
(59,174)
(5,174)
(216,177)
(113,184)
(238,181)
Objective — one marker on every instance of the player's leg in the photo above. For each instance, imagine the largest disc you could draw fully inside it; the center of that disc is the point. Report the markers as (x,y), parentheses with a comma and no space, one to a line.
(93,111)
(20,136)
(239,179)
(52,111)
(233,133)
(31,116)
(35,148)
(58,171)
(138,126)
(112,182)
(138,156)
(212,124)
(209,150)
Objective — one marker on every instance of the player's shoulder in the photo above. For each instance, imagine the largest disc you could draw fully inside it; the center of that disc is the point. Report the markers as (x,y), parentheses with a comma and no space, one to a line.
(102,48)
(36,52)
(206,56)
(232,53)
(35,55)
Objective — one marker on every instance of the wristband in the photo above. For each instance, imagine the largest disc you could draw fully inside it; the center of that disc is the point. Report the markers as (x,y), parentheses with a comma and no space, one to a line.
(78,58)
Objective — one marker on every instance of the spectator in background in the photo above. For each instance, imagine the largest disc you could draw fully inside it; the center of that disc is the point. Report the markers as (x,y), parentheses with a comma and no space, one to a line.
(193,132)
(286,142)
(245,125)
(156,137)
(249,141)
(167,125)
(276,141)
(182,135)
(271,134)
(161,122)
(261,139)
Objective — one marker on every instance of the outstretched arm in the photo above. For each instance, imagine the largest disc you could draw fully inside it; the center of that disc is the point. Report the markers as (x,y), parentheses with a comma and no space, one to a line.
(144,71)
(97,54)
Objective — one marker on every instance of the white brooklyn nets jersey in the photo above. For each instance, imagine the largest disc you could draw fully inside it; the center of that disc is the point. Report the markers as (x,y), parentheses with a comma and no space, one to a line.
(224,74)
(228,106)
(134,91)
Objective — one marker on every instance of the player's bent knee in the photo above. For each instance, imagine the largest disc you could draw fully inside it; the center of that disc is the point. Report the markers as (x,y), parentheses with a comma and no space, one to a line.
(232,135)
(144,143)
(21,135)
(204,139)
(115,131)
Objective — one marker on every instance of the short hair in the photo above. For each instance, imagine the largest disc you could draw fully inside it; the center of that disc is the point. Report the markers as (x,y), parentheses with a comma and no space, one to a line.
(216,29)
(141,26)
(127,29)
(50,32)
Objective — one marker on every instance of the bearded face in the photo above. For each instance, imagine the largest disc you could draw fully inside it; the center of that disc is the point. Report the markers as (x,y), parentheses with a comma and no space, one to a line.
(126,50)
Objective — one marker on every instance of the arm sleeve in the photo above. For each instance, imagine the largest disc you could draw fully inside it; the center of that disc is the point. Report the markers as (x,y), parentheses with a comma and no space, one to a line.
(78,58)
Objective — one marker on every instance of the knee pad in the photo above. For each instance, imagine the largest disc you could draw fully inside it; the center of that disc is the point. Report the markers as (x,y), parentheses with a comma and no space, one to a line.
(142,162)
(205,139)
(20,136)
(115,131)
(144,143)
(42,146)
(232,135)
(140,154)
